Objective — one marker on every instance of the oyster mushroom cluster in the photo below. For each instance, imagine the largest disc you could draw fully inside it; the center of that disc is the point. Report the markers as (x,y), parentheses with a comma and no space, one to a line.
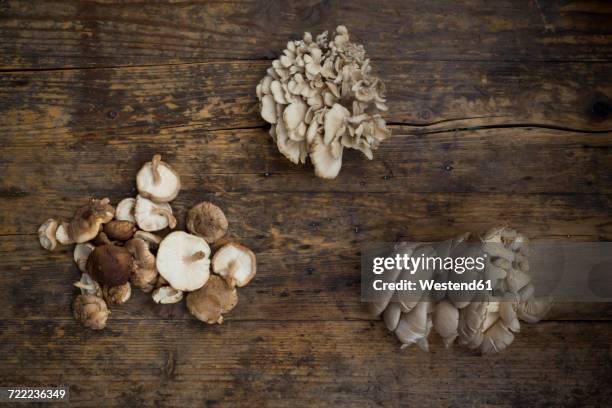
(486,324)
(320,97)
(117,248)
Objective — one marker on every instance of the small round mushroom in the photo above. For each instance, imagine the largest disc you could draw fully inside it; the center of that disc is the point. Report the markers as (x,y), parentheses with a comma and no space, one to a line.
(110,265)
(81,254)
(183,260)
(120,230)
(208,221)
(151,216)
(166,295)
(158,181)
(144,272)
(125,210)
(235,263)
(117,295)
(210,302)
(46,234)
(87,219)
(91,311)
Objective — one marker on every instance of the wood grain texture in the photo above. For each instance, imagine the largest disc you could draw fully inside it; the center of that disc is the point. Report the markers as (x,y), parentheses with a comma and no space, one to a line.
(305,280)
(429,95)
(145,363)
(508,160)
(73,33)
(501,114)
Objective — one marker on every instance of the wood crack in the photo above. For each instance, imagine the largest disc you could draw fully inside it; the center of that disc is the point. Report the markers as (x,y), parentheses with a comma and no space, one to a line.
(516,125)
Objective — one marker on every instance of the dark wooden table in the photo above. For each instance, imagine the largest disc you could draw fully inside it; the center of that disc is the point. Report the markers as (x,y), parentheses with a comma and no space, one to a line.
(501,113)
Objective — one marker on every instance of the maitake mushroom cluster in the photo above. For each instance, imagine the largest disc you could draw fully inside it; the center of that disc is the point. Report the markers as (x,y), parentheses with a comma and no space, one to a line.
(320,97)
(117,248)
(486,324)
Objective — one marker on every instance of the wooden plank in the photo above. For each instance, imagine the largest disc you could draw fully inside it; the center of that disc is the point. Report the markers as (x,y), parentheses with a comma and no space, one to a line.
(284,364)
(77,34)
(217,95)
(507,160)
(282,219)
(308,256)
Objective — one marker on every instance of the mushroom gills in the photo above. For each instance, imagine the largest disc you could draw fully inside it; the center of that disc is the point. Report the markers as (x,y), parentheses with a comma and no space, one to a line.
(235,263)
(151,216)
(183,261)
(158,181)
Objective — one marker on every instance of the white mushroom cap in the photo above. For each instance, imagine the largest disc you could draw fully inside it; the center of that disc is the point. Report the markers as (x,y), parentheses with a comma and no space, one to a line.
(46,234)
(125,210)
(235,263)
(158,181)
(152,216)
(81,254)
(183,261)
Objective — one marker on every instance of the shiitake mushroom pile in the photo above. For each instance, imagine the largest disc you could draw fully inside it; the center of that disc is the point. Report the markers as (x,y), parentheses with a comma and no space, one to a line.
(118,248)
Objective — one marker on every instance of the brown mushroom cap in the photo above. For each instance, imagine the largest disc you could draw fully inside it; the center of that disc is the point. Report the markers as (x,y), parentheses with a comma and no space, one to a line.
(212,300)
(86,222)
(91,311)
(120,230)
(110,265)
(116,295)
(207,221)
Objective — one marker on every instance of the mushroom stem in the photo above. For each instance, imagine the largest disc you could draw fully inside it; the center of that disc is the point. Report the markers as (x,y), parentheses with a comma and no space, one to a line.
(168,215)
(154,170)
(81,285)
(231,269)
(196,257)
